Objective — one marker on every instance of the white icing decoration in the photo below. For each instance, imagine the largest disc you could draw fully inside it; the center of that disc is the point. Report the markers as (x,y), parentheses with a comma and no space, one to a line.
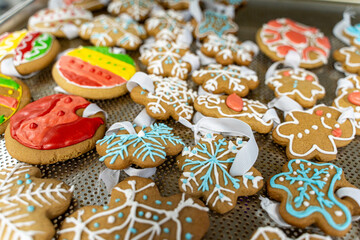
(137,9)
(338,213)
(347,52)
(306,203)
(299,135)
(307,131)
(314,127)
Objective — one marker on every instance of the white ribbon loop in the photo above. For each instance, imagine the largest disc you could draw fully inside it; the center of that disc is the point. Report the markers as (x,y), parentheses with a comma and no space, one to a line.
(338,67)
(145,173)
(143,119)
(250,46)
(60,90)
(246,156)
(110,178)
(292,59)
(92,109)
(71,31)
(193,60)
(117,126)
(285,104)
(339,28)
(272,209)
(8,68)
(118,50)
(271,115)
(347,113)
(141,79)
(353,193)
(205,60)
(195,10)
(344,83)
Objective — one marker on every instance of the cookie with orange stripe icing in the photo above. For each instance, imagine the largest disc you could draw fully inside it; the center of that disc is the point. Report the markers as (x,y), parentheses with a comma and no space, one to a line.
(94,72)
(14,95)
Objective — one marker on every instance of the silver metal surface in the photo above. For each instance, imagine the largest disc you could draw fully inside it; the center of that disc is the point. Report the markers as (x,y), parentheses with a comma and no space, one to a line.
(241,222)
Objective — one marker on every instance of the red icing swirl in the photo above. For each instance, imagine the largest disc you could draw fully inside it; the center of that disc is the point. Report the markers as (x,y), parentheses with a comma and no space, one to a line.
(39,126)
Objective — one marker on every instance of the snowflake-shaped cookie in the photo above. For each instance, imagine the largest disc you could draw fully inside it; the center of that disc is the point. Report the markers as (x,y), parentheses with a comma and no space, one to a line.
(269,233)
(206,173)
(214,23)
(148,147)
(350,97)
(137,211)
(28,203)
(121,31)
(171,98)
(300,85)
(137,9)
(306,191)
(279,36)
(218,79)
(167,59)
(175,4)
(349,57)
(227,49)
(353,33)
(314,133)
(246,110)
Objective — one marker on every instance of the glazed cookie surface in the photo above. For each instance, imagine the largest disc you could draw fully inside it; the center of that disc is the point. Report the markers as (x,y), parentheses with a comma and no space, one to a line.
(314,133)
(94,72)
(137,9)
(306,191)
(277,37)
(137,211)
(90,5)
(205,173)
(175,4)
(28,203)
(146,147)
(233,106)
(171,98)
(300,85)
(29,51)
(353,33)
(52,129)
(14,95)
(349,57)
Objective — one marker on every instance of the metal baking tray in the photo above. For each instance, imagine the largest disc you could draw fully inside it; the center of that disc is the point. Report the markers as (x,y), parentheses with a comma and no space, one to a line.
(83,172)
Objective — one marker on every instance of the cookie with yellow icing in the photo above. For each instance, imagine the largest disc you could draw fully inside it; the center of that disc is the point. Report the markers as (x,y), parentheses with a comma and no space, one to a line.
(94,72)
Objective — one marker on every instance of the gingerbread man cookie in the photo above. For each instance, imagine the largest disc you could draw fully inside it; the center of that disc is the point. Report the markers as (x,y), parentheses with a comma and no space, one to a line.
(233,106)
(137,211)
(218,79)
(298,84)
(61,22)
(206,173)
(171,97)
(277,37)
(314,133)
(14,95)
(146,147)
(94,72)
(168,59)
(269,233)
(27,51)
(307,192)
(349,57)
(227,49)
(214,23)
(137,9)
(28,203)
(50,130)
(107,31)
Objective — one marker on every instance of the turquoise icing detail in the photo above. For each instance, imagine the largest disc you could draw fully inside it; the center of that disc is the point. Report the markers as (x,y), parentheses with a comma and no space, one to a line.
(312,180)
(94,210)
(28,181)
(188,236)
(117,236)
(166,230)
(31,208)
(354,31)
(158,202)
(151,144)
(155,218)
(214,22)
(145,197)
(295,83)
(169,203)
(19,182)
(188,220)
(117,200)
(141,213)
(120,215)
(27,176)
(106,207)
(133,230)
(96,225)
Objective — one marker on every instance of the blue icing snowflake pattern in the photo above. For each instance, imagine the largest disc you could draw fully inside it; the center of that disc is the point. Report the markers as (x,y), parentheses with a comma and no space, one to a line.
(311,181)
(147,143)
(216,23)
(354,31)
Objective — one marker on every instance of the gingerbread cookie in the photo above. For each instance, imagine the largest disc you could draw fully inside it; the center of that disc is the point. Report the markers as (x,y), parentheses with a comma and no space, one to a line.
(229,79)
(314,133)
(27,51)
(206,173)
(306,191)
(353,34)
(171,97)
(227,49)
(269,233)
(137,211)
(90,5)
(146,147)
(14,95)
(298,84)
(28,203)
(168,59)
(61,22)
(214,23)
(349,57)
(175,4)
(233,106)
(94,72)
(121,31)
(235,3)
(137,9)
(277,37)
(52,129)
(349,97)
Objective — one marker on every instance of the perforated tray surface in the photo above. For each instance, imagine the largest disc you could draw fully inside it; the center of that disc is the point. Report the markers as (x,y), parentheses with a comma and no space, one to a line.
(83,172)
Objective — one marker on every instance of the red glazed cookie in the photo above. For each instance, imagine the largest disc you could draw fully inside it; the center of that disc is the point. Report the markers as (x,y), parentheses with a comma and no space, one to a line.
(314,133)
(277,37)
(52,129)
(349,57)
(137,211)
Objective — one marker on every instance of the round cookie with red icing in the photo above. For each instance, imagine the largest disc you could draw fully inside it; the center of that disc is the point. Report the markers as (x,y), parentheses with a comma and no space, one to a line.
(277,37)
(27,51)
(14,95)
(94,72)
(53,129)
